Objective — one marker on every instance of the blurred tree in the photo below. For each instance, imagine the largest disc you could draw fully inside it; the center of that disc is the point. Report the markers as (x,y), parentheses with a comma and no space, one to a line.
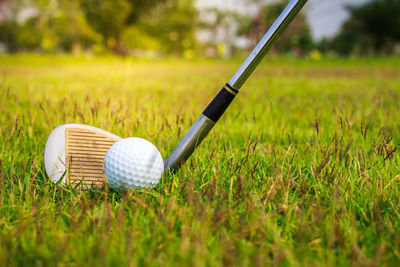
(48,25)
(62,26)
(71,27)
(117,25)
(372,28)
(173,24)
(9,28)
(108,18)
(111,17)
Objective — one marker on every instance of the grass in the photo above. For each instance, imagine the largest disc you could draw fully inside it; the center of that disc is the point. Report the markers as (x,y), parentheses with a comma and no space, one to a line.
(303,169)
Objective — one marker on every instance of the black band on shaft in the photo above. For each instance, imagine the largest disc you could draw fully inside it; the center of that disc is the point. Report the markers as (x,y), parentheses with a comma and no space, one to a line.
(220,103)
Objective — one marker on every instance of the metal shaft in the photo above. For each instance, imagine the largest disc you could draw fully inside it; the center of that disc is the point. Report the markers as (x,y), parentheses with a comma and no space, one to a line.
(220,103)
(261,49)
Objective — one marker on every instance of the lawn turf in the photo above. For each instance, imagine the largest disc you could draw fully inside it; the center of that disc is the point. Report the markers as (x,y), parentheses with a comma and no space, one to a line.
(303,168)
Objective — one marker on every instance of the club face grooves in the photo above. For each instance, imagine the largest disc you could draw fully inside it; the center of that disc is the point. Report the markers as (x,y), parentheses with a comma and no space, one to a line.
(84,155)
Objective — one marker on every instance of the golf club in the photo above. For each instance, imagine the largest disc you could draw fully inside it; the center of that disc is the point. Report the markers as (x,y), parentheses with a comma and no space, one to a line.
(223,99)
(75,152)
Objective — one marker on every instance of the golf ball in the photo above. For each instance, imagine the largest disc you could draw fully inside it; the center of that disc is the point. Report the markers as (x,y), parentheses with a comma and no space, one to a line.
(132,163)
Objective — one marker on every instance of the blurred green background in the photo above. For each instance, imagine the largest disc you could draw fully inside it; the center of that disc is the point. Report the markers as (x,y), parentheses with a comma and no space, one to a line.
(191,28)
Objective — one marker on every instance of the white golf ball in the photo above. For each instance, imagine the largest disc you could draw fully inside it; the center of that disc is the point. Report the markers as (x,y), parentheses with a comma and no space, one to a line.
(133,163)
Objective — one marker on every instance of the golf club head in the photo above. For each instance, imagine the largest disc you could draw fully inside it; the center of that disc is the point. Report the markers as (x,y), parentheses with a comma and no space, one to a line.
(75,153)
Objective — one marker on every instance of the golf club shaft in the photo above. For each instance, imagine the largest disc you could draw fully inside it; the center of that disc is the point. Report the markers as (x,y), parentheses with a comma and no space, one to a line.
(222,100)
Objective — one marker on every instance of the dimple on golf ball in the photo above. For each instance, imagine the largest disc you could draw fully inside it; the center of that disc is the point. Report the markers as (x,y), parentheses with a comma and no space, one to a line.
(133,163)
